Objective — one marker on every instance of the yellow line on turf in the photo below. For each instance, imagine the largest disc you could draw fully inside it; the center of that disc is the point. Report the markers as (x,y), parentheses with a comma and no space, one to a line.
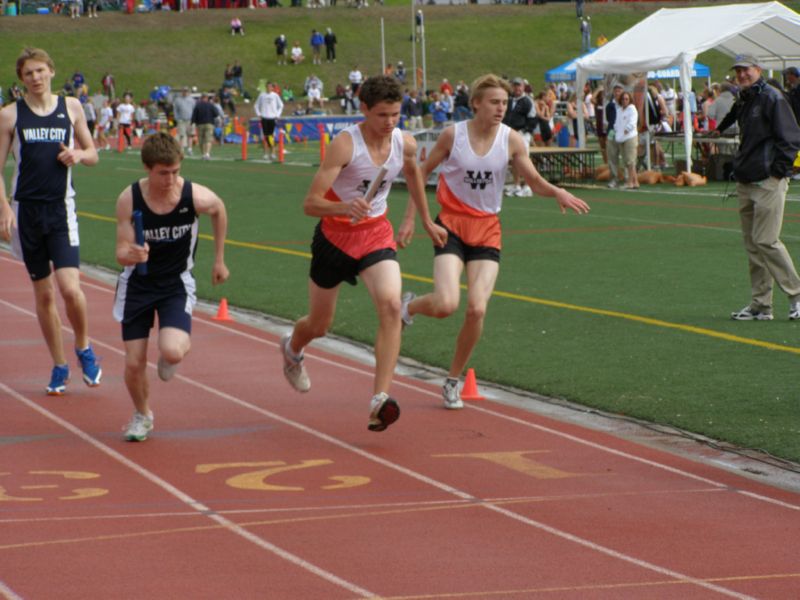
(541,301)
(205,236)
(97,217)
(648,321)
(259,247)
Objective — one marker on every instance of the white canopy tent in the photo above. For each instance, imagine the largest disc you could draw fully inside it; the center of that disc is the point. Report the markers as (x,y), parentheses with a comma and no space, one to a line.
(674,37)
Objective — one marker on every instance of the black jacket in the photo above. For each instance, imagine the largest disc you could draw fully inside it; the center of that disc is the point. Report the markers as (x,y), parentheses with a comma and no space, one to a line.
(412,107)
(517,117)
(204,113)
(770,136)
(611,115)
(794,101)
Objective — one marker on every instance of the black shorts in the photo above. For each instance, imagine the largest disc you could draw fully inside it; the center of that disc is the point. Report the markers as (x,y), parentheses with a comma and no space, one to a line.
(138,300)
(455,245)
(545,131)
(330,266)
(268,126)
(46,232)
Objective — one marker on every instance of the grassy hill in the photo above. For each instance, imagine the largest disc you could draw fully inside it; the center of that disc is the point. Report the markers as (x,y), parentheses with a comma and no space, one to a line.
(145,50)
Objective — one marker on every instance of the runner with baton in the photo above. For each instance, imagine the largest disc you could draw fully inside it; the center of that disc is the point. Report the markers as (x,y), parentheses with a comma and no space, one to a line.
(354,238)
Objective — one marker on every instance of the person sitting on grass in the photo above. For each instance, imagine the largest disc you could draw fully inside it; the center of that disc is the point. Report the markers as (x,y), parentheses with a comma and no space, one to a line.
(296,55)
(315,97)
(237,26)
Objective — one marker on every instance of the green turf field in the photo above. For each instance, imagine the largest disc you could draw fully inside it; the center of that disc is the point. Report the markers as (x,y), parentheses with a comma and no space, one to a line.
(625,309)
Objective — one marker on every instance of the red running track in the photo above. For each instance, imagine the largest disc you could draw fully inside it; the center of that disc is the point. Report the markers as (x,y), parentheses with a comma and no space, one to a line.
(247,489)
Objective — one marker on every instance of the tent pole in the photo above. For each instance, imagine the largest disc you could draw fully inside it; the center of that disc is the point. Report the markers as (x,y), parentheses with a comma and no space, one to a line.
(686,85)
(646,108)
(414,46)
(580,80)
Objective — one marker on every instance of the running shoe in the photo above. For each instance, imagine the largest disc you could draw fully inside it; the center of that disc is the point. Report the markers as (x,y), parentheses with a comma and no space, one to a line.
(91,370)
(166,370)
(408,297)
(58,380)
(139,427)
(293,367)
(383,412)
(794,311)
(451,394)
(524,191)
(748,313)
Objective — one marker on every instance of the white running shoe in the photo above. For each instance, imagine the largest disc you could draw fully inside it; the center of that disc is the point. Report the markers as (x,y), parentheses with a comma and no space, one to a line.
(794,311)
(525,191)
(452,395)
(293,367)
(748,313)
(408,297)
(166,370)
(139,427)
(383,412)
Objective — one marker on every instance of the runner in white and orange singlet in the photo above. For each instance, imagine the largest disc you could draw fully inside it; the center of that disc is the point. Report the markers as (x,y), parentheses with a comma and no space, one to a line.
(354,238)
(474,157)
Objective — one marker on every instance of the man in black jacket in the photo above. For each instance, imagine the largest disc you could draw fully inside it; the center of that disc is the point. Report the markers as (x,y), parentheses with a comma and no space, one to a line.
(770,140)
(330,45)
(520,115)
(792,77)
(204,117)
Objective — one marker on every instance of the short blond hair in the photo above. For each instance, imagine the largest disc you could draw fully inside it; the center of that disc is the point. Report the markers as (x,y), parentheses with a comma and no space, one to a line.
(486,82)
(33,54)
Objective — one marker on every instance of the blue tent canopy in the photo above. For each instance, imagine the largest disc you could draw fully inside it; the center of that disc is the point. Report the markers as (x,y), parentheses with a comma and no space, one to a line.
(566,72)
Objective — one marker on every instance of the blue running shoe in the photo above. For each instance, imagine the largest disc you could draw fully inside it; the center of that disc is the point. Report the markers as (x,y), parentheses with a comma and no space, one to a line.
(91,370)
(58,380)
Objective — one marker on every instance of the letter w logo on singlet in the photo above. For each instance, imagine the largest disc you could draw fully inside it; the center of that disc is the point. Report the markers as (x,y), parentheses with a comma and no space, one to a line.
(364,186)
(476,180)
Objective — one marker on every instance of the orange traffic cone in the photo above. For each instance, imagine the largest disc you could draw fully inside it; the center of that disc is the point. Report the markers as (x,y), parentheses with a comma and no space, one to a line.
(222,312)
(470,390)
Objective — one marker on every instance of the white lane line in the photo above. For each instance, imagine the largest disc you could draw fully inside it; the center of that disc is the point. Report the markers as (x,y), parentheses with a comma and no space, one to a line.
(8,593)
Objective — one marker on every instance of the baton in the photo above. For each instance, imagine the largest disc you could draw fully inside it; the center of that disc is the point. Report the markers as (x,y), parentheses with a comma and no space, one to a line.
(138,228)
(373,188)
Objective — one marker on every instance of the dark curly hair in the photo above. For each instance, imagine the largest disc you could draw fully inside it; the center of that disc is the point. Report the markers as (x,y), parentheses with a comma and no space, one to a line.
(381,88)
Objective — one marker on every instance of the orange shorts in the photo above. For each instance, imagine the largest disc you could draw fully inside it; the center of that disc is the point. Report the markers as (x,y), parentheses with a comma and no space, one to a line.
(339,253)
